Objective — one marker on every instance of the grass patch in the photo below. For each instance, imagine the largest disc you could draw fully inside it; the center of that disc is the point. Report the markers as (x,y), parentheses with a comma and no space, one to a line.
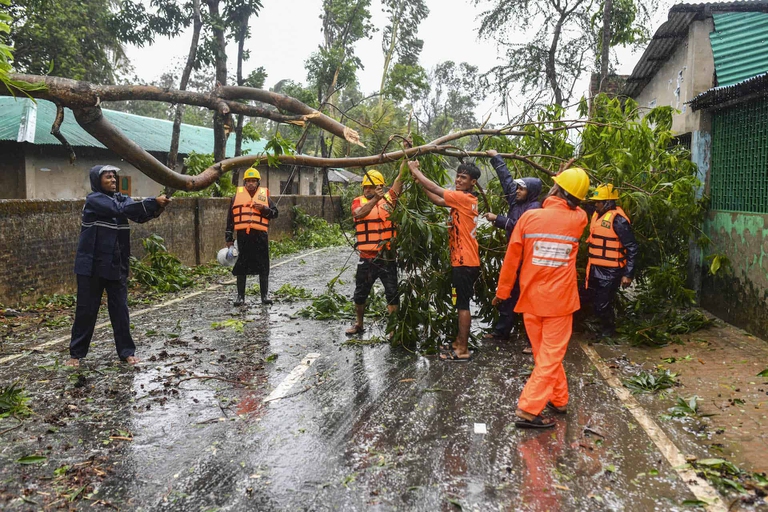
(650,382)
(13,402)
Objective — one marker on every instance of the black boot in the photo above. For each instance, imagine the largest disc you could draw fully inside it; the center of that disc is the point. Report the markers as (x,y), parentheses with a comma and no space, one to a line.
(240,291)
(264,289)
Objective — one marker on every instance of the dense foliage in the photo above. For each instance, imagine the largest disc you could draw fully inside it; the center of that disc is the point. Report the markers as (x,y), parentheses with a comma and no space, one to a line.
(637,154)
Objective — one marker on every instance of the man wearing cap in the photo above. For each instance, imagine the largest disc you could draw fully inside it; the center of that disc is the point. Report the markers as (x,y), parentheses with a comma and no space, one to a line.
(544,246)
(522,195)
(101,262)
(612,256)
(373,230)
(464,250)
(249,215)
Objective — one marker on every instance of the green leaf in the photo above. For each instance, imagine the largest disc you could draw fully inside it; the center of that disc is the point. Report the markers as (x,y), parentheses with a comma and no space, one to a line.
(763,373)
(32,459)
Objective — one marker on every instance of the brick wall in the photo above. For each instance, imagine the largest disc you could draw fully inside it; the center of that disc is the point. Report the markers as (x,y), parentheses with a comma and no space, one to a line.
(38,239)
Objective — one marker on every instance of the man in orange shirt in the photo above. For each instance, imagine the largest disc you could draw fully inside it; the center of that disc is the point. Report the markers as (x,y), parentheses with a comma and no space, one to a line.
(545,242)
(465,253)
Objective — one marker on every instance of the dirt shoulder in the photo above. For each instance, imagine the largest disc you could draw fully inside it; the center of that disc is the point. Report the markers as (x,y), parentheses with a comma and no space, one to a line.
(720,366)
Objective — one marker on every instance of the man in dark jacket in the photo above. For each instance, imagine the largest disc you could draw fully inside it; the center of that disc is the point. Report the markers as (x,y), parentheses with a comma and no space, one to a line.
(101,262)
(521,195)
(612,256)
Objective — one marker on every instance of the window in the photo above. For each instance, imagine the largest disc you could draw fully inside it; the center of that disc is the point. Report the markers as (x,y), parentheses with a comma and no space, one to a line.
(289,189)
(124,185)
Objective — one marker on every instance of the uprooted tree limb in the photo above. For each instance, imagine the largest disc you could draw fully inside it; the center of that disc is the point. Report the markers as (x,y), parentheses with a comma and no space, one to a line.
(85,98)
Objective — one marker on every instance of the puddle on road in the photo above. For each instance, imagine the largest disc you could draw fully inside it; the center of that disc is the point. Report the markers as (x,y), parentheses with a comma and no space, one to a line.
(364,427)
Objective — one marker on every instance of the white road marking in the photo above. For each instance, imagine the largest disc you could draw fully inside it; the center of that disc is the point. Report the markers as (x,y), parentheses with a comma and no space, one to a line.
(66,338)
(698,486)
(282,389)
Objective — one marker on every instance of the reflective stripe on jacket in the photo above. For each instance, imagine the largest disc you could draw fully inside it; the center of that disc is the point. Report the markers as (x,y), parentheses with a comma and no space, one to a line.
(544,246)
(605,248)
(245,214)
(374,228)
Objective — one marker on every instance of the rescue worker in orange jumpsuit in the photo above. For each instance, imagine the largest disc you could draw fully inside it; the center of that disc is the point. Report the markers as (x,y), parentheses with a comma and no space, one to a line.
(373,229)
(544,245)
(465,252)
(249,215)
(612,256)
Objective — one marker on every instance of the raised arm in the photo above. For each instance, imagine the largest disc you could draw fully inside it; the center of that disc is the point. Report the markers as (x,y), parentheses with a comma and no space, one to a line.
(508,185)
(434,191)
(141,211)
(367,207)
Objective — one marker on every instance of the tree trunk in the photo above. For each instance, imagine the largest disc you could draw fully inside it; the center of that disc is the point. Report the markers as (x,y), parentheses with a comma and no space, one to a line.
(551,70)
(240,49)
(389,54)
(221,121)
(173,154)
(606,46)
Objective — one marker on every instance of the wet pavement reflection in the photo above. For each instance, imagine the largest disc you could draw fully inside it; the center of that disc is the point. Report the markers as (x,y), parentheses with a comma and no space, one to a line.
(364,427)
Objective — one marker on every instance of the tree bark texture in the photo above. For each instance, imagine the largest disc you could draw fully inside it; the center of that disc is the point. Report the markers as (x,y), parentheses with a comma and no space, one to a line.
(197,25)
(606,46)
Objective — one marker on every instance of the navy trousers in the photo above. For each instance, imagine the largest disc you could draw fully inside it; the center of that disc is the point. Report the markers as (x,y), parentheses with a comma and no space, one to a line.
(602,293)
(89,292)
(507,316)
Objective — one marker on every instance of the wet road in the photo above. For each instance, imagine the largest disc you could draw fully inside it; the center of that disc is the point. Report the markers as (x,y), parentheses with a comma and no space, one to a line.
(345,427)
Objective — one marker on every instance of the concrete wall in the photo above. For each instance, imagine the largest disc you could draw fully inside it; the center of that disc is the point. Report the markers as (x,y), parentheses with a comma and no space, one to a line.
(739,297)
(688,72)
(38,239)
(12,180)
(63,180)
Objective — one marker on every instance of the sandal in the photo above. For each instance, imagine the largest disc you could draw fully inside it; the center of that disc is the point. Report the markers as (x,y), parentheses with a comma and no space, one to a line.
(492,336)
(528,350)
(536,422)
(452,357)
(559,410)
(355,329)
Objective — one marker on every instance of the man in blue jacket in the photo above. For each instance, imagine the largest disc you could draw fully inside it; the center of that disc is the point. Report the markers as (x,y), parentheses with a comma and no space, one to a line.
(521,195)
(101,262)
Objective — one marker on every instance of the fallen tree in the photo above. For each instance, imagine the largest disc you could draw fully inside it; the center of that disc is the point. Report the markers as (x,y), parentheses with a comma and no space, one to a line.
(616,144)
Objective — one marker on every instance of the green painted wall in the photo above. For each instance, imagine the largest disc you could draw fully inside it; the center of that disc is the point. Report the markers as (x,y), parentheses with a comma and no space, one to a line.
(739,296)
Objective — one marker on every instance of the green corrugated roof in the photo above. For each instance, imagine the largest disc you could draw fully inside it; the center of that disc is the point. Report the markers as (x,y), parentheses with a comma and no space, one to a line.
(739,45)
(149,133)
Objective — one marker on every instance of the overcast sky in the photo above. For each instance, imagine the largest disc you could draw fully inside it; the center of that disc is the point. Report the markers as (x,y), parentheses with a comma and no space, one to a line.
(286,32)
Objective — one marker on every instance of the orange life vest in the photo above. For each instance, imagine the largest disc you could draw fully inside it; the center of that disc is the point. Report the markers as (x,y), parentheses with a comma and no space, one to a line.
(245,214)
(375,228)
(605,249)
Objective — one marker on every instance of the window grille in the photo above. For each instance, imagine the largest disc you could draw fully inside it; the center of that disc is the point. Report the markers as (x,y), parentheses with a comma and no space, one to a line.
(739,171)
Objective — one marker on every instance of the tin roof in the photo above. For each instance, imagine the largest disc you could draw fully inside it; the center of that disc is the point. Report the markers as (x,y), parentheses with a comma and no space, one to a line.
(739,46)
(728,95)
(675,30)
(23,120)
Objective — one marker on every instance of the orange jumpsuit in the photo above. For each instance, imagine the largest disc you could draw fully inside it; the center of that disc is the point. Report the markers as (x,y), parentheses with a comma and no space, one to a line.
(545,242)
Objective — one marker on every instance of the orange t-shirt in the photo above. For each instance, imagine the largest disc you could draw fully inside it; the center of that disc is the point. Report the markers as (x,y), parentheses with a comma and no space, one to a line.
(544,244)
(463,244)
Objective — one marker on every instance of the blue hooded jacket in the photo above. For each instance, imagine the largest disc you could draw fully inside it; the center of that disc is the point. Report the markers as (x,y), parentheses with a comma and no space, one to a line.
(509,187)
(105,237)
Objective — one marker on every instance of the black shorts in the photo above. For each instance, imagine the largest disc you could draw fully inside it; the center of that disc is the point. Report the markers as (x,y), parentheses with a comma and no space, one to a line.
(368,270)
(463,281)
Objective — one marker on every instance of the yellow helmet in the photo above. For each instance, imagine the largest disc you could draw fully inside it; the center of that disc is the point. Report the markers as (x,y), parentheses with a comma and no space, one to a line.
(574,181)
(373,178)
(251,173)
(604,193)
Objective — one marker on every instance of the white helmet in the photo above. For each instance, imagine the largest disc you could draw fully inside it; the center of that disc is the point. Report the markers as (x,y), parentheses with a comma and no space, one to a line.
(227,256)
